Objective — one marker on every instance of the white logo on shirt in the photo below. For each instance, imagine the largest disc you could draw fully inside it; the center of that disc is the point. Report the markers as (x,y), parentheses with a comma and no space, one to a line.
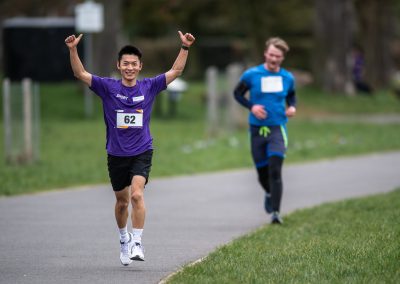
(122,97)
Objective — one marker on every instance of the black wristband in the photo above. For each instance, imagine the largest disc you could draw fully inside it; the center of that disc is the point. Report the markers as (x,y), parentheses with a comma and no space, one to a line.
(184,47)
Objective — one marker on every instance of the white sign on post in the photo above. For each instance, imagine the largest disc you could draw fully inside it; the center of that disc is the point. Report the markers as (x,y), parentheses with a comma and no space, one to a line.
(89,17)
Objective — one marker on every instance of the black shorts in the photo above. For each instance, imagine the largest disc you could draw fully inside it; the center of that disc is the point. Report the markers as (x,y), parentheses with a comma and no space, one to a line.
(122,169)
(266,142)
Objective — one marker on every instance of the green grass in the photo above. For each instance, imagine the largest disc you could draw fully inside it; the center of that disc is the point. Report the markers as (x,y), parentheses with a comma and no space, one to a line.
(72,147)
(353,241)
(312,102)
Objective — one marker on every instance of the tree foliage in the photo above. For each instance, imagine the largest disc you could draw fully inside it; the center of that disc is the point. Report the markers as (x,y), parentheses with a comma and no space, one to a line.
(222,24)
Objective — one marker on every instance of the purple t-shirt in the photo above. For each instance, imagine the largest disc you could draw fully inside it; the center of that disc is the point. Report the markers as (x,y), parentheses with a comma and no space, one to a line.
(127,113)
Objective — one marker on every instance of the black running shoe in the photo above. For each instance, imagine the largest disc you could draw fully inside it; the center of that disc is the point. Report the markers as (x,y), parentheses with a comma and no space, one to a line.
(276,218)
(267,203)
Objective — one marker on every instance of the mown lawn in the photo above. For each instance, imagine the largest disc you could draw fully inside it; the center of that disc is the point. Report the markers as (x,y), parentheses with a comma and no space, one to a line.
(353,241)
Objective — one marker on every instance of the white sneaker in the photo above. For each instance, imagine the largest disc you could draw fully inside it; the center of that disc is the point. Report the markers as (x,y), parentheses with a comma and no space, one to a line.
(126,248)
(137,252)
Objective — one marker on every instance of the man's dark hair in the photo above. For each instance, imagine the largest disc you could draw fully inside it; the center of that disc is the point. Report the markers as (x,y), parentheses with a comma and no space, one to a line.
(129,49)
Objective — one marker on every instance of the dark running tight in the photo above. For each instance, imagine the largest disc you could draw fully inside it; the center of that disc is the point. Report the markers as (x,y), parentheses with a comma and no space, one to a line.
(270,178)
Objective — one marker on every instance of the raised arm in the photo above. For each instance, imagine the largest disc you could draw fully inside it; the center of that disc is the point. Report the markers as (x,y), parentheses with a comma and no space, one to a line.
(180,62)
(76,64)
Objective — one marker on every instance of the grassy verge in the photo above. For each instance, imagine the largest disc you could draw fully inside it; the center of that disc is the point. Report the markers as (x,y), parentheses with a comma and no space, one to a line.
(312,102)
(354,241)
(72,147)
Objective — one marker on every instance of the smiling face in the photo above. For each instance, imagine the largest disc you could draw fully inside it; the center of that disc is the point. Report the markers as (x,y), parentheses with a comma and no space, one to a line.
(129,66)
(273,58)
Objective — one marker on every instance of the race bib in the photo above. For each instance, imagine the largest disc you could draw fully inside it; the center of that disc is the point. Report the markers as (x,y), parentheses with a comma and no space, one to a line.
(271,84)
(137,99)
(126,120)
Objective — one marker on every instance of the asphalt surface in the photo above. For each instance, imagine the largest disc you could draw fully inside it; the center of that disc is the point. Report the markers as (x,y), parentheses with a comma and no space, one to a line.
(70,236)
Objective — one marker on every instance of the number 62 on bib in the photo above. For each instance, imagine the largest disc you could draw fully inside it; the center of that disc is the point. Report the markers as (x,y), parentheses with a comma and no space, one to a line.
(127,120)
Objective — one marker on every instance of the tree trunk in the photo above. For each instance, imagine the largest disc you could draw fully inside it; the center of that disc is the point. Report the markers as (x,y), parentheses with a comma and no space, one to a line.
(333,36)
(106,44)
(376,22)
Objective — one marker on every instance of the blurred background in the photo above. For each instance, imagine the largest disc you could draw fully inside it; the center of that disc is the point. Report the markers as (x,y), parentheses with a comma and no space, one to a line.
(322,34)
(345,55)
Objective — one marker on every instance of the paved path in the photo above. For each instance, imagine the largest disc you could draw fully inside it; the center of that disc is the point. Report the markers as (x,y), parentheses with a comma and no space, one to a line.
(70,236)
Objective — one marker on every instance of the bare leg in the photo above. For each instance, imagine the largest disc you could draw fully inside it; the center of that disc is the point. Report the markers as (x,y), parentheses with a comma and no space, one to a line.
(122,207)
(137,199)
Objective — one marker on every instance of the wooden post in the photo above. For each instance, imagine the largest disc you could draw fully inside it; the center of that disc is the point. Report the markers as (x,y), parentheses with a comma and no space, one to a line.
(36,121)
(7,119)
(27,118)
(236,117)
(88,96)
(212,100)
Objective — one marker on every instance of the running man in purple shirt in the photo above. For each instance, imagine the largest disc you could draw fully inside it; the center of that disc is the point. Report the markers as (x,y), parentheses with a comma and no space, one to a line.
(127,105)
